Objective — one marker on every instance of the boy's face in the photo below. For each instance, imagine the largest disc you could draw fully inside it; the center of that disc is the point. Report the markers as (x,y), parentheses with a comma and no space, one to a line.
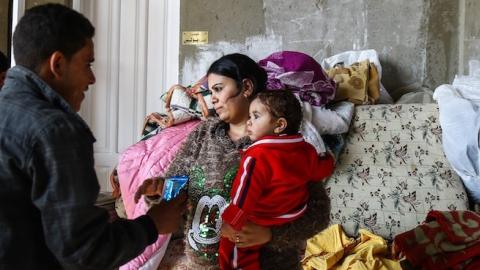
(77,75)
(261,122)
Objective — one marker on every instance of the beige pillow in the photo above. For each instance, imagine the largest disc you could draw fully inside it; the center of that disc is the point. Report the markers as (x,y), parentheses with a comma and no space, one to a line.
(357,83)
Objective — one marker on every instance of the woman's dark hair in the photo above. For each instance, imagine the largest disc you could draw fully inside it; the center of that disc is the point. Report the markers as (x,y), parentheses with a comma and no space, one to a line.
(48,28)
(283,103)
(239,67)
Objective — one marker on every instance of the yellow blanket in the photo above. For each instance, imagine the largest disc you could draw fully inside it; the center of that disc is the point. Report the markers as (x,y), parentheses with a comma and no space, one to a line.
(332,249)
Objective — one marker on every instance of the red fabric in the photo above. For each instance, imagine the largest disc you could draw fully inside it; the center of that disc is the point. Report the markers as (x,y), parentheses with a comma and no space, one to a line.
(241,258)
(473,265)
(234,216)
(447,240)
(270,187)
(272,180)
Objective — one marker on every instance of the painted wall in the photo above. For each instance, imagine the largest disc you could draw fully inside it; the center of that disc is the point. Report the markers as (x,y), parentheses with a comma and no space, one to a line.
(4,11)
(32,3)
(419,42)
(4,27)
(470,34)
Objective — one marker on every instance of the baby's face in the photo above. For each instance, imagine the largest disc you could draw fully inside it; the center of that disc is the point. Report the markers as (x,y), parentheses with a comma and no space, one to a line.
(261,122)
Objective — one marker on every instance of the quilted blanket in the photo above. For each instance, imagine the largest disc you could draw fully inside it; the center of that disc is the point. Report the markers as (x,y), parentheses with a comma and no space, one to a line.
(147,159)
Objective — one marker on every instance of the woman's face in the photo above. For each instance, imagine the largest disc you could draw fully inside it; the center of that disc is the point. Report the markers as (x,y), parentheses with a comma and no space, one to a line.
(230,103)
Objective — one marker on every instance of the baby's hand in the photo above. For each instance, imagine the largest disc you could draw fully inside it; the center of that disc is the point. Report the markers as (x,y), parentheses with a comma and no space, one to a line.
(150,187)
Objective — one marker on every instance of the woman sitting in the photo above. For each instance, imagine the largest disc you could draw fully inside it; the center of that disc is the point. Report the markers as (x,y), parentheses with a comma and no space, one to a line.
(210,157)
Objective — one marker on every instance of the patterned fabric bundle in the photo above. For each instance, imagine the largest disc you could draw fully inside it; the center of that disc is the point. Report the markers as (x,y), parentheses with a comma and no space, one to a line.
(300,73)
(182,104)
(447,240)
(194,100)
(358,83)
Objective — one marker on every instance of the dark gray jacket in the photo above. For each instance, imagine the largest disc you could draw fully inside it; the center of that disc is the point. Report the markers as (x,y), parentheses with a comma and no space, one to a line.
(48,186)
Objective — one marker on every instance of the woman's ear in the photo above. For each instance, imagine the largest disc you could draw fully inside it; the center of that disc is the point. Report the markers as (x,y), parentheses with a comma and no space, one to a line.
(247,88)
(281,124)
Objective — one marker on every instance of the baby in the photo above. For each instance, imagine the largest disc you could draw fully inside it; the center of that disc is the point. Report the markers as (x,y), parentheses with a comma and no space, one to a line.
(270,187)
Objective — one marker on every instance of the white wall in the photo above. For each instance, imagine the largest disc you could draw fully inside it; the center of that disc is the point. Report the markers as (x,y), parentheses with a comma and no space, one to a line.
(136,58)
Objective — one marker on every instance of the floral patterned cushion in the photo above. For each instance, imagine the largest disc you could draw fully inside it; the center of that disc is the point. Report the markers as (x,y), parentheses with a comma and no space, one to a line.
(393,171)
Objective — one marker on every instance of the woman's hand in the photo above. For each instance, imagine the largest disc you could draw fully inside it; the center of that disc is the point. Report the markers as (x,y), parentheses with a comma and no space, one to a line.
(228,232)
(150,187)
(252,235)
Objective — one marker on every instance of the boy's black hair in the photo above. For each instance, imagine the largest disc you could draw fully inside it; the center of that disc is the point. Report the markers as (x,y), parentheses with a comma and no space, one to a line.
(4,64)
(283,103)
(239,67)
(48,28)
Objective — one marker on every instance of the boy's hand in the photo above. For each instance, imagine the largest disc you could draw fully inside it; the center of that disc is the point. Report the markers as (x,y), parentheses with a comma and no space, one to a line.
(167,216)
(150,187)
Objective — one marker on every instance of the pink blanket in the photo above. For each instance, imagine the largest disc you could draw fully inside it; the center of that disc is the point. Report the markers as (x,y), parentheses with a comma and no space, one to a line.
(143,160)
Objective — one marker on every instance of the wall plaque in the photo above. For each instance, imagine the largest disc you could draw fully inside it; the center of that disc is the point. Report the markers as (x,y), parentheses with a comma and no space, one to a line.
(194,37)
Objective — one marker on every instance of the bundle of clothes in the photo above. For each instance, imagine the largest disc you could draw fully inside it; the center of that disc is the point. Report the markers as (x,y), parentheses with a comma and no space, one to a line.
(446,240)
(459,111)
